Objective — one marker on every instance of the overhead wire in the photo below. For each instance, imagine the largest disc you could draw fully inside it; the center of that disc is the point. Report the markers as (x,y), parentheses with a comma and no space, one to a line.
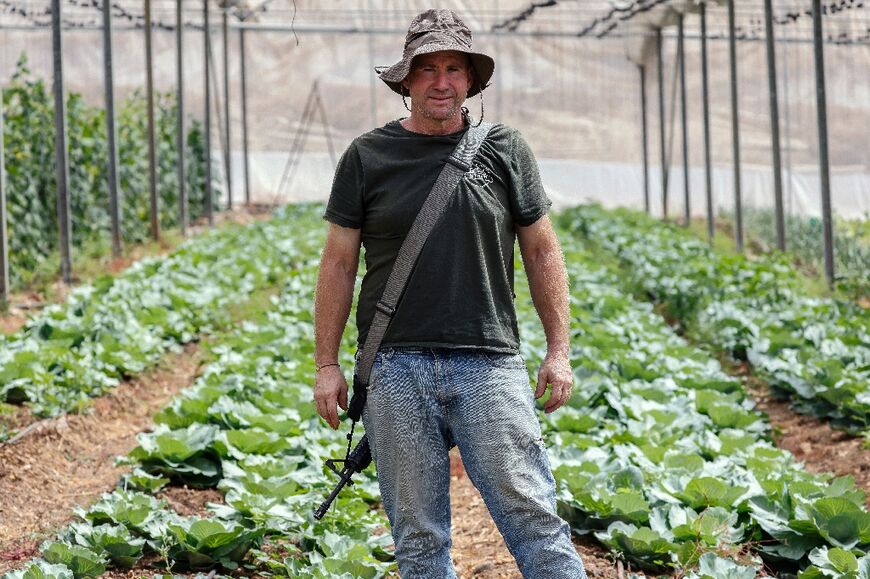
(137,20)
(602,25)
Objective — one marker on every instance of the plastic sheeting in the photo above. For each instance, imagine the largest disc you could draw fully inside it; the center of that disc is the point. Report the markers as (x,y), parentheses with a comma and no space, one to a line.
(570,182)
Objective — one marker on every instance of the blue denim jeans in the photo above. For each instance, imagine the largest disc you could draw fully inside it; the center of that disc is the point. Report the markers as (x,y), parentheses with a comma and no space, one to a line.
(423,401)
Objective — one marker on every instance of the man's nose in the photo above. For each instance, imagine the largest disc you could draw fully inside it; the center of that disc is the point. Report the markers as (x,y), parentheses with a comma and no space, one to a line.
(441,80)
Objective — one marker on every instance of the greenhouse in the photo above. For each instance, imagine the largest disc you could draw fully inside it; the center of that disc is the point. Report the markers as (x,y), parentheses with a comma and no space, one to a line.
(510,288)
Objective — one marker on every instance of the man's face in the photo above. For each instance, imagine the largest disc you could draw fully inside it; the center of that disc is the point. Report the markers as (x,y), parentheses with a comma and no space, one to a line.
(438,84)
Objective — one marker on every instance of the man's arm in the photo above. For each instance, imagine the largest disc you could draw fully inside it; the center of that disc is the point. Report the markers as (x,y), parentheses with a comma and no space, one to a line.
(548,282)
(332,302)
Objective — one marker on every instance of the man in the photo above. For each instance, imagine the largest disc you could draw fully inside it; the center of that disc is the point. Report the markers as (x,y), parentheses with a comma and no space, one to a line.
(449,370)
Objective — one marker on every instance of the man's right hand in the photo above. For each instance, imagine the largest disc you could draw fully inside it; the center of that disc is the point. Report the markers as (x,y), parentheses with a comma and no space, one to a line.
(330,391)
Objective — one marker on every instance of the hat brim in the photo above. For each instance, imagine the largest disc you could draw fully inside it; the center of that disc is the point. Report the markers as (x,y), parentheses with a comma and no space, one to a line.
(483,65)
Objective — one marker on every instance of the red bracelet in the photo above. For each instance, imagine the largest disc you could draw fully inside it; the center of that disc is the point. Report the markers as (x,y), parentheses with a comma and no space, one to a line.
(319,368)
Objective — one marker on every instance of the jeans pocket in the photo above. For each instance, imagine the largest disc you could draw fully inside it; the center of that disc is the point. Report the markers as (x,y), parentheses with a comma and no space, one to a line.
(506,361)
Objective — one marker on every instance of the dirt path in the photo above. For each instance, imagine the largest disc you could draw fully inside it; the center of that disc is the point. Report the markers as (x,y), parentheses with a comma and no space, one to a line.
(69,461)
(813,441)
(480,552)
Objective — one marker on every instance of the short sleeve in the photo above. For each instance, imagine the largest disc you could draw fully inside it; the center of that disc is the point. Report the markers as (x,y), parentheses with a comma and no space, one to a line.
(345,206)
(529,201)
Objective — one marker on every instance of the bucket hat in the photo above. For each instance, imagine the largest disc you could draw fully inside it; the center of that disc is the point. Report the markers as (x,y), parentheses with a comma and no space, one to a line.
(433,31)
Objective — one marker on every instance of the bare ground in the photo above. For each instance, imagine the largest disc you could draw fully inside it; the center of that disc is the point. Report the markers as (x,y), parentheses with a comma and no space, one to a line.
(480,552)
(814,442)
(69,461)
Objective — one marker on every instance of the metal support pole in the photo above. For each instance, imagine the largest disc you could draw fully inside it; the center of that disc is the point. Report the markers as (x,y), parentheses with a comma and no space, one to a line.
(682,57)
(209,195)
(662,150)
(152,147)
(822,114)
(705,83)
(245,116)
(228,150)
(373,91)
(499,82)
(114,195)
(4,237)
(735,130)
(789,187)
(61,167)
(774,125)
(645,147)
(179,136)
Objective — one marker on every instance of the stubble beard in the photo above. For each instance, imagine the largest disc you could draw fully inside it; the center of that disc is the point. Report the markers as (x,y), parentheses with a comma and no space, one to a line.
(441,114)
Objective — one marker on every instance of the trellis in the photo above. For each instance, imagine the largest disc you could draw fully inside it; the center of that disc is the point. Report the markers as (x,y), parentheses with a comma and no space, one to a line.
(145,22)
(595,20)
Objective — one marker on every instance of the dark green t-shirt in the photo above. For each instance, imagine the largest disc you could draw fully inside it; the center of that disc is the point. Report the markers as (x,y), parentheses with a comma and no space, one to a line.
(460,294)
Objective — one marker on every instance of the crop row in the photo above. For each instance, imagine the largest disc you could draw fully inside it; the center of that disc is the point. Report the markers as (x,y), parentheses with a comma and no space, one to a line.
(248,428)
(118,326)
(804,241)
(661,455)
(814,350)
(30,181)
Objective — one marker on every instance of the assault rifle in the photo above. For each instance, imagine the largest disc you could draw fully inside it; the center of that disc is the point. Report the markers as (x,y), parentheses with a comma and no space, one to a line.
(356,460)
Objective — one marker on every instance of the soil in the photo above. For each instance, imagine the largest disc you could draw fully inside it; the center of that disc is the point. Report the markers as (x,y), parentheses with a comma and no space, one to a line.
(189,502)
(479,550)
(814,442)
(69,461)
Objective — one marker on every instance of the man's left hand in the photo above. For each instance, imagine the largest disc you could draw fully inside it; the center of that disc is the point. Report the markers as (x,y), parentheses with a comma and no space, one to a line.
(556,371)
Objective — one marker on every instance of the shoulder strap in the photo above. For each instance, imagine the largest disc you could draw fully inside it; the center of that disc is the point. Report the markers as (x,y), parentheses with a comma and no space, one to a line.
(433,208)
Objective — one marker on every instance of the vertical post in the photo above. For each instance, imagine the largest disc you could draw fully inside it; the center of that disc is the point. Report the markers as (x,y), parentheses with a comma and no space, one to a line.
(789,190)
(774,125)
(682,58)
(373,92)
(209,195)
(245,115)
(662,149)
(499,85)
(228,150)
(4,238)
(735,130)
(822,116)
(152,148)
(62,170)
(645,148)
(708,166)
(179,135)
(114,197)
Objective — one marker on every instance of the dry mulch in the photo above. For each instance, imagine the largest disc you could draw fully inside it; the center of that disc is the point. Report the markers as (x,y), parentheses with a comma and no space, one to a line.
(69,461)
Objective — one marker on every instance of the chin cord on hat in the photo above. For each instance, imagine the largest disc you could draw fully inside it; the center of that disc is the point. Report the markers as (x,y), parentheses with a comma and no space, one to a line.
(404,102)
(467,117)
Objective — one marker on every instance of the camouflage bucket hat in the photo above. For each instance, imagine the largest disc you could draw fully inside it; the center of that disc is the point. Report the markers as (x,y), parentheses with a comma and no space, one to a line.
(434,31)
